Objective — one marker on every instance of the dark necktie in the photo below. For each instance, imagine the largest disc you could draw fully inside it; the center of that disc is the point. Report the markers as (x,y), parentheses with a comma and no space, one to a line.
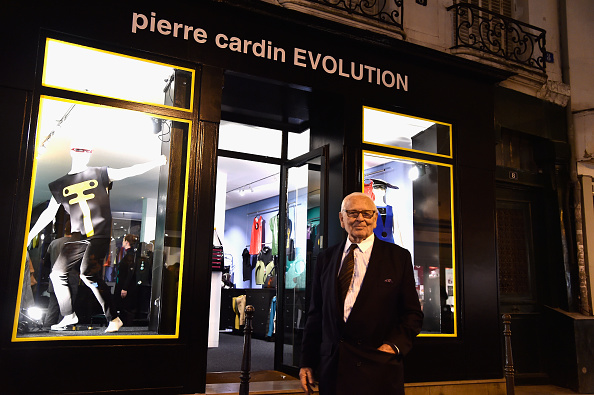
(346,273)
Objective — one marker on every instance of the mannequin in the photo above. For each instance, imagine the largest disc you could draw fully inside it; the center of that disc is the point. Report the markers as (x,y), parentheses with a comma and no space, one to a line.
(84,194)
(387,222)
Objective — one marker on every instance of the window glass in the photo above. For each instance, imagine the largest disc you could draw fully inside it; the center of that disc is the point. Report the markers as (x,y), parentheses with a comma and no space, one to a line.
(298,144)
(250,139)
(101,174)
(402,131)
(414,198)
(83,69)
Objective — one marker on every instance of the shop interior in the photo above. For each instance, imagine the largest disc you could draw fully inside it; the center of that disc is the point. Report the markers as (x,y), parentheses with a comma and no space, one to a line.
(247,225)
(265,125)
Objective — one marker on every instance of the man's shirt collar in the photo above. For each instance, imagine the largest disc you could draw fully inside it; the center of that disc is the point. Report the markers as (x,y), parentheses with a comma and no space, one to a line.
(363,246)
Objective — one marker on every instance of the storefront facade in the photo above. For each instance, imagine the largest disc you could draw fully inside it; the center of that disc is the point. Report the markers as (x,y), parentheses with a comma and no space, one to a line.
(319,102)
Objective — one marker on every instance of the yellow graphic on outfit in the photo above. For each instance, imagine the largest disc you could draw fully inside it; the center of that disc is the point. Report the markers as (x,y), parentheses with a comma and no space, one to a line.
(81,198)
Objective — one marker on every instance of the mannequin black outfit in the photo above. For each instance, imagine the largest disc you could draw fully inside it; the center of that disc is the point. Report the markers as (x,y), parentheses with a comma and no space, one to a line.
(85,197)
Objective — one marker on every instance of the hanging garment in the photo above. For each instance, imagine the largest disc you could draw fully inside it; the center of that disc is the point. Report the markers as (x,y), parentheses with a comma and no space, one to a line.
(239,309)
(260,273)
(385,224)
(256,239)
(247,266)
(270,280)
(265,255)
(368,189)
(272,318)
(264,258)
(274,230)
(218,255)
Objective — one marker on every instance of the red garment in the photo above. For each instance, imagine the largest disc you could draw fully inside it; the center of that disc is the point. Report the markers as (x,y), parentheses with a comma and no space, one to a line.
(368,189)
(256,241)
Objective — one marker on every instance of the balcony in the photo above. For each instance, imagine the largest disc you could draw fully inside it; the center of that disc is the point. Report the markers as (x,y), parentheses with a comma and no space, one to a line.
(380,16)
(499,36)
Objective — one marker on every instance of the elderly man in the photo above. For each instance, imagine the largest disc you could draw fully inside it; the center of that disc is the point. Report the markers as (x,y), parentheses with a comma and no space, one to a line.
(364,310)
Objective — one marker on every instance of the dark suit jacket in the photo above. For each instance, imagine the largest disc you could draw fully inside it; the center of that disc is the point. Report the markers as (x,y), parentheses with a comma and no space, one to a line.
(387,310)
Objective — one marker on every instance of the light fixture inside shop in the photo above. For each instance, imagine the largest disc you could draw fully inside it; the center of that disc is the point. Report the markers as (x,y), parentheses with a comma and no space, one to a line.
(245,189)
(416,171)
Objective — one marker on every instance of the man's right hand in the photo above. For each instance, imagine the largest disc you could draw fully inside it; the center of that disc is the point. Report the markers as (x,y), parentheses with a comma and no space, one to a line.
(307,380)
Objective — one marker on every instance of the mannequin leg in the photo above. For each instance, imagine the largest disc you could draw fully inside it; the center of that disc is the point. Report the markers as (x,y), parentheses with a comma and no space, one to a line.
(71,255)
(91,271)
(68,259)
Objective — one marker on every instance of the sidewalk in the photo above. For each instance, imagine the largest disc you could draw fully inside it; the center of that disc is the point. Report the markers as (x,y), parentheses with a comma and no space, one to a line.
(541,390)
(273,382)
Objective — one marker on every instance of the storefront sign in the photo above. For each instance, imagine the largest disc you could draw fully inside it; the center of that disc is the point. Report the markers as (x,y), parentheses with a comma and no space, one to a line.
(265,49)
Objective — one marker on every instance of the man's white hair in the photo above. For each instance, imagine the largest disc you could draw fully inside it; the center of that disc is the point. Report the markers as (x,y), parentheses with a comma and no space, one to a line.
(359,194)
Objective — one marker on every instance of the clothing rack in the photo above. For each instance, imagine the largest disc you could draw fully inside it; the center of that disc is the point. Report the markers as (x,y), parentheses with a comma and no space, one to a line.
(270,209)
(267,243)
(263,211)
(384,170)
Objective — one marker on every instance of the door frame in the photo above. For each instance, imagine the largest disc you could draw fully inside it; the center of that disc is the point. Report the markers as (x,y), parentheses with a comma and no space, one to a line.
(321,152)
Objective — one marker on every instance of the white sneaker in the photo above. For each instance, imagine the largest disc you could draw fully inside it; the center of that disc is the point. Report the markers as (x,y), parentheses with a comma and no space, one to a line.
(70,319)
(114,325)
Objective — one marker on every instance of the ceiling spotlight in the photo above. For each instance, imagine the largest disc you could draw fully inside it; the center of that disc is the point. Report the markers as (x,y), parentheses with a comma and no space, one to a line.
(417,170)
(413,173)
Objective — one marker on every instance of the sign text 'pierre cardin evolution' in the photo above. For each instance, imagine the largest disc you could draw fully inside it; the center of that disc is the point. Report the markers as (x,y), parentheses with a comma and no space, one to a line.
(266,50)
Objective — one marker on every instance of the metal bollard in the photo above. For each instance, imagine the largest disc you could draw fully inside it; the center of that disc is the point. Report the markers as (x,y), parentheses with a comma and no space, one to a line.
(509,360)
(244,386)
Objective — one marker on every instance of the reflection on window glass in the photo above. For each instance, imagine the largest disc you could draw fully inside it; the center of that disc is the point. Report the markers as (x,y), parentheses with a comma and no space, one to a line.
(406,132)
(68,66)
(303,244)
(297,225)
(106,224)
(414,200)
(250,139)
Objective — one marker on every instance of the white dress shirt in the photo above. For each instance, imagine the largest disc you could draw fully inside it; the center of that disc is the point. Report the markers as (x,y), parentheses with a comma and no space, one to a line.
(362,254)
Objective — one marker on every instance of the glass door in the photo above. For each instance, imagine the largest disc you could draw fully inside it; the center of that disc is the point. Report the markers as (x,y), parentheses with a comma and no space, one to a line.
(301,236)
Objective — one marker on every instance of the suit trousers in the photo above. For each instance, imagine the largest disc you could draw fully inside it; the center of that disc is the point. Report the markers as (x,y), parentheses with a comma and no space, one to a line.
(88,255)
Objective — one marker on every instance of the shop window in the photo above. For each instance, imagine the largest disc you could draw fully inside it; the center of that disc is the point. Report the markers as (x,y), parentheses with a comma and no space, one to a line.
(414,197)
(106,210)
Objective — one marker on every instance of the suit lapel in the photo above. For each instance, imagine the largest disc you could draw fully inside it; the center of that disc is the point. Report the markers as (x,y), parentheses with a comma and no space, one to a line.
(335,265)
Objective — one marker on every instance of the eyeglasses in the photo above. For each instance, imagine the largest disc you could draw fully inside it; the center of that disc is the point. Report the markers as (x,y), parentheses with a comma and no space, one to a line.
(367,214)
(88,151)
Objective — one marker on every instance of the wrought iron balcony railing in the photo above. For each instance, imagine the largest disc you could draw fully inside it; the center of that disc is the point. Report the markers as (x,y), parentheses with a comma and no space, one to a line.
(498,35)
(384,11)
